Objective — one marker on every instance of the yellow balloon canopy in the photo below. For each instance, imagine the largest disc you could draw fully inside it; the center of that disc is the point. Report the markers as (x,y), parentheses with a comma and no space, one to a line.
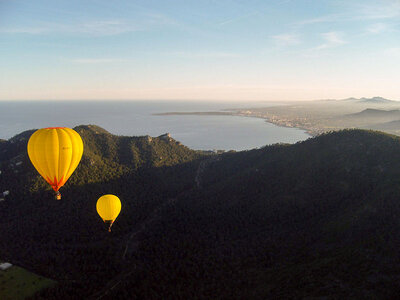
(55,152)
(108,207)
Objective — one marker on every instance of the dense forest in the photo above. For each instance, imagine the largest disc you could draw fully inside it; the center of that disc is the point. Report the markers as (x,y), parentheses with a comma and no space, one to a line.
(317,219)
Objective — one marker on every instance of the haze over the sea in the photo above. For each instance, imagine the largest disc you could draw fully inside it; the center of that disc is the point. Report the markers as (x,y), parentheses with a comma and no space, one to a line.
(136,118)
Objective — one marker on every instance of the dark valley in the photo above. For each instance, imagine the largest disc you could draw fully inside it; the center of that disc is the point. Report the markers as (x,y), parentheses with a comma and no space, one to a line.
(316,219)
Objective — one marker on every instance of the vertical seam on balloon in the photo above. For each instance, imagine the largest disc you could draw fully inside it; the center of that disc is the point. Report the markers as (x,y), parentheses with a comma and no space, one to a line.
(64,175)
(57,170)
(109,208)
(112,204)
(48,155)
(41,145)
(73,156)
(76,157)
(56,158)
(43,165)
(67,174)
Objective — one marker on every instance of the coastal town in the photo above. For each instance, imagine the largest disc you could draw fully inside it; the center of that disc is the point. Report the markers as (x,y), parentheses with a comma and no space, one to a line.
(312,128)
(317,117)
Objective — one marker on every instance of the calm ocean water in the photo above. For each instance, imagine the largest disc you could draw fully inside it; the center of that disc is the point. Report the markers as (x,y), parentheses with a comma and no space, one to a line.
(135,118)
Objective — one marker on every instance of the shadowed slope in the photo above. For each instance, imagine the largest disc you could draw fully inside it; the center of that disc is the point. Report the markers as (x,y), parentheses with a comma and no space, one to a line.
(315,219)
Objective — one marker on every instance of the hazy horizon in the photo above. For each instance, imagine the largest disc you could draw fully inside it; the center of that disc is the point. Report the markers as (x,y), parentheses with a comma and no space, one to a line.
(222,101)
(191,51)
(138,119)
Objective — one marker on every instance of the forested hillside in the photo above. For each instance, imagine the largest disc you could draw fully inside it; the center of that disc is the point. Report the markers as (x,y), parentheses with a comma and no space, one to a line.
(318,218)
(67,239)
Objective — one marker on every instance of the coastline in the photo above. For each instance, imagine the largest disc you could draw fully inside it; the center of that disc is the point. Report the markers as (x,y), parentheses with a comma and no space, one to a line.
(238,113)
(309,131)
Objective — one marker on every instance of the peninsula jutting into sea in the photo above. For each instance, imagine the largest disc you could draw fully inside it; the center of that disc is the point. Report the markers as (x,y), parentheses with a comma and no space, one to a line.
(316,117)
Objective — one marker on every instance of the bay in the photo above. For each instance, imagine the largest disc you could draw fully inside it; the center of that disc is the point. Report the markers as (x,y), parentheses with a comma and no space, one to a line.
(135,118)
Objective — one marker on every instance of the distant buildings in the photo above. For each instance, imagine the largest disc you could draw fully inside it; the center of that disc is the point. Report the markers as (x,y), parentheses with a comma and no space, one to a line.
(165,136)
(5,266)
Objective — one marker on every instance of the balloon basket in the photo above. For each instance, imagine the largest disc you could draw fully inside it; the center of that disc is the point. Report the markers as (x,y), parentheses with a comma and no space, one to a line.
(110,224)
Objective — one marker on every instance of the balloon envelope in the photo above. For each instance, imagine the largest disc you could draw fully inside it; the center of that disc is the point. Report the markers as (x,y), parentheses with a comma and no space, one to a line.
(108,207)
(55,152)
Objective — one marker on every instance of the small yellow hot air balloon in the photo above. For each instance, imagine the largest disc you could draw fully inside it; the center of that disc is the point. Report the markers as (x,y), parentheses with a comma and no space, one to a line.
(108,207)
(55,152)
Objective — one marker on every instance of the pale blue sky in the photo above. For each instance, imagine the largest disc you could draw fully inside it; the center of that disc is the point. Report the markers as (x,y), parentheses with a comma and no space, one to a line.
(218,50)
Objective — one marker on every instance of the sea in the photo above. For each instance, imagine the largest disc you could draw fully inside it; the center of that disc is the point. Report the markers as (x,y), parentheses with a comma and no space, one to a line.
(136,118)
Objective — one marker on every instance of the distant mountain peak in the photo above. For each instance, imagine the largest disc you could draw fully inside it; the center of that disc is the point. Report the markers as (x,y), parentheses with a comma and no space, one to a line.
(376,99)
(350,99)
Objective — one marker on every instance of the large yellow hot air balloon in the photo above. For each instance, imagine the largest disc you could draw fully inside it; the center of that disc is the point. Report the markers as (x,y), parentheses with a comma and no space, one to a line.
(108,207)
(55,152)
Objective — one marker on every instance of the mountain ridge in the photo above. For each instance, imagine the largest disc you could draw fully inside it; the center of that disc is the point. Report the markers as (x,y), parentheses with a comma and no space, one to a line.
(373,112)
(375,99)
(318,218)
